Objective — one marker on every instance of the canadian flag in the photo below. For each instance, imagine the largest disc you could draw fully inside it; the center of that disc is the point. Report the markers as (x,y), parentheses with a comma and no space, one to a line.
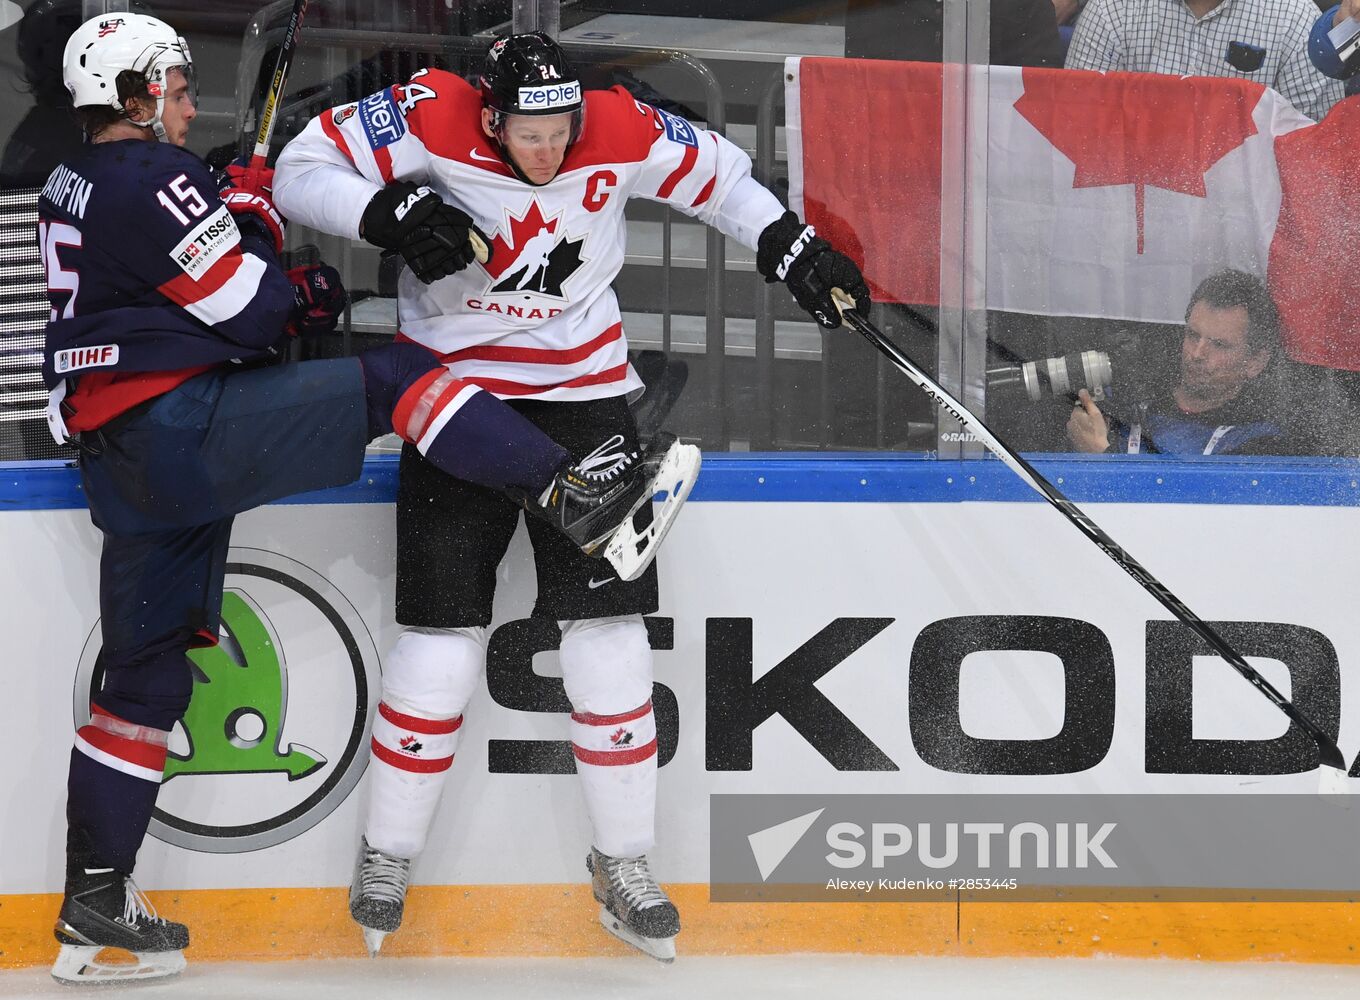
(1108,195)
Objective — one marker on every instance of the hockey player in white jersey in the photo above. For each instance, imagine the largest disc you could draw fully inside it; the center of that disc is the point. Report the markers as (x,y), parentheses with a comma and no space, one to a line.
(541,171)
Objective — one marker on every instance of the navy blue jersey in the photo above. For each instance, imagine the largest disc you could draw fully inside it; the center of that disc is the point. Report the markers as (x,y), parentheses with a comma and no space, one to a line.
(147,270)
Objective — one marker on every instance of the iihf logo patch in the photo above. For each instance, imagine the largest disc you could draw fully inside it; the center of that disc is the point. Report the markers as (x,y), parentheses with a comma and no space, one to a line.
(76,358)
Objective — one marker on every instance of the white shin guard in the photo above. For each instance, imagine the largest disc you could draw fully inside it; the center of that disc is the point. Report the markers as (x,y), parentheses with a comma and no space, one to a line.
(429,678)
(607,671)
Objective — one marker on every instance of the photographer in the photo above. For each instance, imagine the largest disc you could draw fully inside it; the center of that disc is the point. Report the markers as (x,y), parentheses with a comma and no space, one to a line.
(1223,400)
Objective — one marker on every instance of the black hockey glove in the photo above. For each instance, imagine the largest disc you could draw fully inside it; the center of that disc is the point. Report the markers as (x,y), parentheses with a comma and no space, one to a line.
(318,300)
(432,236)
(793,253)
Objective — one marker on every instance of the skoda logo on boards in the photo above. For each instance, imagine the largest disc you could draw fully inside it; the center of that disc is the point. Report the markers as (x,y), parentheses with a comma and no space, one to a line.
(275,737)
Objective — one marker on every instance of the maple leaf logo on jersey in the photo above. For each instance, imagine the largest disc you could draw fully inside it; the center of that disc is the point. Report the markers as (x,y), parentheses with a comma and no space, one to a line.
(621,737)
(534,256)
(411,745)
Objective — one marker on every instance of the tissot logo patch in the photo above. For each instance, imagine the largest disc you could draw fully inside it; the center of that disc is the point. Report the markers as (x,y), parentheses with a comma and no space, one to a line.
(210,241)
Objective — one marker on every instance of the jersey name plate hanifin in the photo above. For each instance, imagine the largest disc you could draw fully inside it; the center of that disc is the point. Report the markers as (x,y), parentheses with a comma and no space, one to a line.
(209,241)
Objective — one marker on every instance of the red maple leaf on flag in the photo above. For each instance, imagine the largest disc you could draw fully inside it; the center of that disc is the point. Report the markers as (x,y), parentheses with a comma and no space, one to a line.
(874,191)
(1139,128)
(504,248)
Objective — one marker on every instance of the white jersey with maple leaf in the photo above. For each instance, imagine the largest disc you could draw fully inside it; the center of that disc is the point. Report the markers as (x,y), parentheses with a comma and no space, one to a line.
(540,320)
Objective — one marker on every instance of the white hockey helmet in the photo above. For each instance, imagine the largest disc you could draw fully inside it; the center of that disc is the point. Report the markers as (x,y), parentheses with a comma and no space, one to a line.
(110,43)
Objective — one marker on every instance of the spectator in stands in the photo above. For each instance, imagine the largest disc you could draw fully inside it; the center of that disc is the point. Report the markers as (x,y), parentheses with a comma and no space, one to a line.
(1261,40)
(1023,32)
(1224,400)
(48,133)
(1320,48)
(1067,11)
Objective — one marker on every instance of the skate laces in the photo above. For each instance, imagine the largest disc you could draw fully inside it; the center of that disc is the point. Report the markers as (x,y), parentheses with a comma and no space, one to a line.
(602,464)
(136,905)
(383,876)
(633,880)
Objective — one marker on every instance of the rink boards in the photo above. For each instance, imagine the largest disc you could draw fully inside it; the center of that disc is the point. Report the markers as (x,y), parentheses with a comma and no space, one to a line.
(774,557)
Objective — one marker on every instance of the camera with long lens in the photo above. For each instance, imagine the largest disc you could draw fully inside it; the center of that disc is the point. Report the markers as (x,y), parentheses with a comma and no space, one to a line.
(1060,376)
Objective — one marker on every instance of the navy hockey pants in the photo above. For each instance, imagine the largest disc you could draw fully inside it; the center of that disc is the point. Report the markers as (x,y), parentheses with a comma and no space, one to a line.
(164,483)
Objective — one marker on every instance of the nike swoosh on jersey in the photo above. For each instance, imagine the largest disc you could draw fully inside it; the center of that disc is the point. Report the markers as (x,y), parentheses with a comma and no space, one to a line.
(485,159)
(599,583)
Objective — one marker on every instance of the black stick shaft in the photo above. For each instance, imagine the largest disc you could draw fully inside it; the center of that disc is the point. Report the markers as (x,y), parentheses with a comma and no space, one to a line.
(1328,752)
(275,95)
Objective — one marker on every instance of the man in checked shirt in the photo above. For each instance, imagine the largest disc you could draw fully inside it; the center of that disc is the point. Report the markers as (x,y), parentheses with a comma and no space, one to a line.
(1261,40)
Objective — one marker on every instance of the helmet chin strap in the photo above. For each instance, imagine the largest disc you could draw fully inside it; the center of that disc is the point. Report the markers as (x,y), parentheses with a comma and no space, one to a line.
(154,122)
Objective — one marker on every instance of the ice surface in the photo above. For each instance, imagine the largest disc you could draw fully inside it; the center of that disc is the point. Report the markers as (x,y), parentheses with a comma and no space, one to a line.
(812,976)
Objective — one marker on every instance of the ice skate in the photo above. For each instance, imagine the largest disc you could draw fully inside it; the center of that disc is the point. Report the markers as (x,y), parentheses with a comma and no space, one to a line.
(107,910)
(633,907)
(593,502)
(377,896)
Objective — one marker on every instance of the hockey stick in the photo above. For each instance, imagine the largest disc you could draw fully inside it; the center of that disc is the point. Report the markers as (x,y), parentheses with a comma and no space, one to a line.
(274,96)
(1328,752)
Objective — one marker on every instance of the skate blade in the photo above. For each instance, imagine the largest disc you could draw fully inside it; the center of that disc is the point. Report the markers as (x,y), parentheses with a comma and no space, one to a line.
(373,941)
(661,949)
(630,551)
(79,963)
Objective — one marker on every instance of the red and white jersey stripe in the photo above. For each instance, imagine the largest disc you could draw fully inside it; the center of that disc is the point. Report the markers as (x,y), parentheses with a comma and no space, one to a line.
(122,745)
(220,294)
(540,319)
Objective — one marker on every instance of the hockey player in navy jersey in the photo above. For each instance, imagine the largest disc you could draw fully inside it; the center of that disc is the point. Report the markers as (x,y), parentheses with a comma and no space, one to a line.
(169,308)
(544,169)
